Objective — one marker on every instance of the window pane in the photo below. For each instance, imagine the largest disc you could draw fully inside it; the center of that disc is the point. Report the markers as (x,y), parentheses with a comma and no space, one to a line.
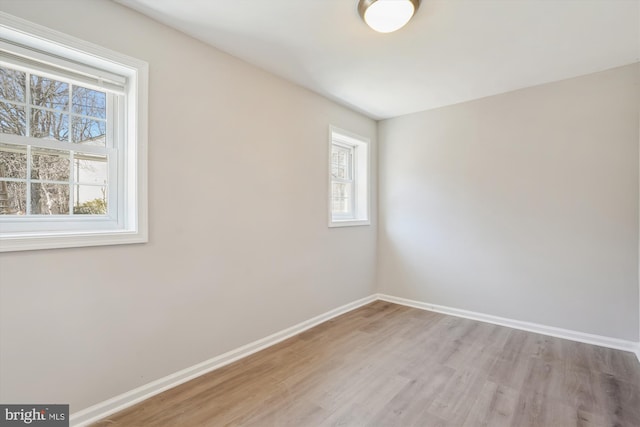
(12,119)
(13,198)
(341,198)
(50,165)
(88,131)
(13,161)
(89,102)
(49,93)
(49,199)
(90,200)
(338,171)
(341,162)
(12,84)
(90,169)
(49,125)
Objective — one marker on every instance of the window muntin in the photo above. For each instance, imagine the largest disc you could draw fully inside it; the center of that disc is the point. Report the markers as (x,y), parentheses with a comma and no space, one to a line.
(348,179)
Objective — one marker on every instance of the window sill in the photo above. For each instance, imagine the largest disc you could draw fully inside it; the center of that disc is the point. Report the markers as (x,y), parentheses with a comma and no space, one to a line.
(348,222)
(75,240)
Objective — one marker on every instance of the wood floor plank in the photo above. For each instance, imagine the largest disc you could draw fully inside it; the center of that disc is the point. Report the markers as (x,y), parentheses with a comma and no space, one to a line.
(510,370)
(494,407)
(360,402)
(452,403)
(535,410)
(390,365)
(410,404)
(621,400)
(294,412)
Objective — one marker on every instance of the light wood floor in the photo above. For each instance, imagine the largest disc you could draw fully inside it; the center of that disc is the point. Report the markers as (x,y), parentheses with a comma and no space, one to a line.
(389,365)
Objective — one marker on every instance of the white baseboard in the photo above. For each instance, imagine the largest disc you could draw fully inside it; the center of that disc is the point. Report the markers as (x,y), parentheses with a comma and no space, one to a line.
(120,402)
(602,341)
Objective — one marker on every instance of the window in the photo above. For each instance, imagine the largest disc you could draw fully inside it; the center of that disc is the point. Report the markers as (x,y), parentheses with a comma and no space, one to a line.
(72,141)
(348,179)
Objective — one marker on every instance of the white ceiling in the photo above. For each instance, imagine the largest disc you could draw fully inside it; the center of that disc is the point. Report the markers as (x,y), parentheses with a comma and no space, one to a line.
(451,51)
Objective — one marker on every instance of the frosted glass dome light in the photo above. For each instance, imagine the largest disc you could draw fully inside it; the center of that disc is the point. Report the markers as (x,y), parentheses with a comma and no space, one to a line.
(386,16)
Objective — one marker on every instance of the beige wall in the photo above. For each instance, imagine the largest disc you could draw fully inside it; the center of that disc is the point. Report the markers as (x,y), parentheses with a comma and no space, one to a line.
(239,244)
(522,205)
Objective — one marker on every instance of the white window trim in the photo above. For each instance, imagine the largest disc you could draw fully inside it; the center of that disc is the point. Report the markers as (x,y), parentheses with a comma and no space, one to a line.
(135,230)
(361,173)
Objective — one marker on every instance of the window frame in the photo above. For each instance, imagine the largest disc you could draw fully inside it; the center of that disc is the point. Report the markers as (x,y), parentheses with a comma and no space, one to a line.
(128,223)
(360,169)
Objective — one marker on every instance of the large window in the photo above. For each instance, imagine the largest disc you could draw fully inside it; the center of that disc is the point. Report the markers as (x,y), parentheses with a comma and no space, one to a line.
(348,179)
(72,141)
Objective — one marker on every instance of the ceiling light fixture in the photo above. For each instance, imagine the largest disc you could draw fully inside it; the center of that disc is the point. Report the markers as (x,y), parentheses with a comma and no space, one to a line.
(386,16)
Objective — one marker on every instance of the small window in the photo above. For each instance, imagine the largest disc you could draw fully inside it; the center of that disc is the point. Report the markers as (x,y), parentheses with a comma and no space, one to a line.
(348,179)
(72,141)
